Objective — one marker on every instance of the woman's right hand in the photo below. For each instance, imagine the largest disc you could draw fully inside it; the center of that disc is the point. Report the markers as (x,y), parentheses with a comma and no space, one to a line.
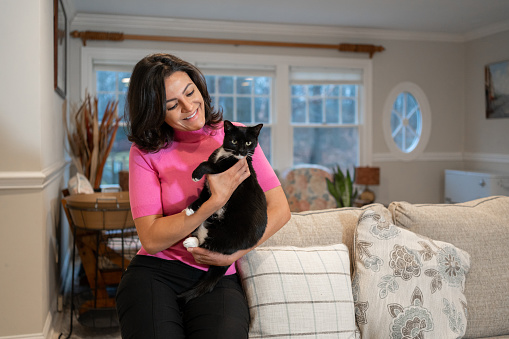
(223,185)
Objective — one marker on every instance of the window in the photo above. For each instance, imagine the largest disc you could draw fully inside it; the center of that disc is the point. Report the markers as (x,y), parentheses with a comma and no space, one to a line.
(112,85)
(407,121)
(325,117)
(244,99)
(311,114)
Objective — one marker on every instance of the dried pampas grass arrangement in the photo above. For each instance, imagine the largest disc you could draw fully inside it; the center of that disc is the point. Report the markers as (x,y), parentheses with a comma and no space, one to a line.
(90,141)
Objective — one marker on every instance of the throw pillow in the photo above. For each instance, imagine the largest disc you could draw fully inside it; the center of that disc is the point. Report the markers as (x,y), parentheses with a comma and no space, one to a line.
(301,292)
(406,285)
(480,227)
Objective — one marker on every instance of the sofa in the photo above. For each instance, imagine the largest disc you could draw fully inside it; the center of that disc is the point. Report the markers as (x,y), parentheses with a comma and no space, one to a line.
(423,271)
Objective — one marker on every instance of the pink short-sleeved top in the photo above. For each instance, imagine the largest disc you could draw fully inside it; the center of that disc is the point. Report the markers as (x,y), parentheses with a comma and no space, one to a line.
(160,183)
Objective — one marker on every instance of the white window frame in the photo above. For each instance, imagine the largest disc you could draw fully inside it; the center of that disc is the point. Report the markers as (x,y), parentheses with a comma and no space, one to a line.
(282,133)
(425,110)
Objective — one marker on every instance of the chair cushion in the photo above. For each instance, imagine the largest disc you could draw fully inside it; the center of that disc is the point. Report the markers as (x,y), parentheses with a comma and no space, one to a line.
(306,189)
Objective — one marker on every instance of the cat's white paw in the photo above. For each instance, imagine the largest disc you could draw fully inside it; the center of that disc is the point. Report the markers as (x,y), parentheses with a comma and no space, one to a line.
(191,242)
(189,211)
(196,179)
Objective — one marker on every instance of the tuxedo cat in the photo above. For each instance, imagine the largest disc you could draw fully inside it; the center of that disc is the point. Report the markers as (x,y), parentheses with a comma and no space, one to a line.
(242,221)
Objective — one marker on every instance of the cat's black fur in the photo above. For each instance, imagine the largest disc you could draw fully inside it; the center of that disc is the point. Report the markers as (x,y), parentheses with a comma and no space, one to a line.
(242,221)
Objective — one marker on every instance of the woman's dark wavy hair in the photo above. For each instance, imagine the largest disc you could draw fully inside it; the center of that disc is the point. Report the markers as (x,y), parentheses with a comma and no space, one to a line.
(145,108)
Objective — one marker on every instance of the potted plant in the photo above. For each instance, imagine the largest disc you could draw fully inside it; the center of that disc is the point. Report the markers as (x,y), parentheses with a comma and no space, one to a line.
(341,187)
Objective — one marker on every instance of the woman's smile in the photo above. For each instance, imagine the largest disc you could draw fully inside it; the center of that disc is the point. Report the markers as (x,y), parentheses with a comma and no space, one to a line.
(185,109)
(192,115)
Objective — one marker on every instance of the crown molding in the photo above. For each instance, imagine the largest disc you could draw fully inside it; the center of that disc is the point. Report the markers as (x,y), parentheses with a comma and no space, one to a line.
(482,32)
(86,21)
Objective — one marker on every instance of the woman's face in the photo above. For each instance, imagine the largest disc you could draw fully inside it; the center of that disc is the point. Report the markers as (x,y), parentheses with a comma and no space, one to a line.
(185,110)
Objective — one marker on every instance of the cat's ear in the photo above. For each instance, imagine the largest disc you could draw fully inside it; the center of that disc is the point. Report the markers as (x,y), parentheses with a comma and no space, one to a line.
(257,128)
(227,126)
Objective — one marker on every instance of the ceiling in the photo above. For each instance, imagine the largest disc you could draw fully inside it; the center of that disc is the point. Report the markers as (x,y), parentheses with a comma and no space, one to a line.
(433,16)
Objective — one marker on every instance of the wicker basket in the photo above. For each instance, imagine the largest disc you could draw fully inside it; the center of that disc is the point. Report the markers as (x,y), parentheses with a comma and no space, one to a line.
(101,211)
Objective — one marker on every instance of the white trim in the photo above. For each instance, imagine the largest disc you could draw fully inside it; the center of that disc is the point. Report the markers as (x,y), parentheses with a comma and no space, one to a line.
(439,156)
(366,124)
(171,26)
(425,110)
(486,157)
(448,156)
(31,179)
(27,336)
(282,114)
(482,32)
(47,331)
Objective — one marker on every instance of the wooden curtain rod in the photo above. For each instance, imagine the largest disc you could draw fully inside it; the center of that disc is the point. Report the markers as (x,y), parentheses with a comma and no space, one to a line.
(113,36)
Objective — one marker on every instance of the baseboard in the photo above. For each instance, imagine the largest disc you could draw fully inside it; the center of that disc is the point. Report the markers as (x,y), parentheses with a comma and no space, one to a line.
(66,273)
(47,332)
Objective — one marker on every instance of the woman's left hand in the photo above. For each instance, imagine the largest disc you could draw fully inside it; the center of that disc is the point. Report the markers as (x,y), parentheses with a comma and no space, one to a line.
(206,257)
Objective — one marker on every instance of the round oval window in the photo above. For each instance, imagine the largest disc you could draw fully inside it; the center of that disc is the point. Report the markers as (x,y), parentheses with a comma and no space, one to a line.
(406,122)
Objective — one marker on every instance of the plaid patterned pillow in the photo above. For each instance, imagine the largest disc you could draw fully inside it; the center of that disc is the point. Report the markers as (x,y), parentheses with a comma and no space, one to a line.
(304,292)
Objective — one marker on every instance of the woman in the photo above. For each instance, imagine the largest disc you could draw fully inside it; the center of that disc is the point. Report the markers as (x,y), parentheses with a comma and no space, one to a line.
(174,128)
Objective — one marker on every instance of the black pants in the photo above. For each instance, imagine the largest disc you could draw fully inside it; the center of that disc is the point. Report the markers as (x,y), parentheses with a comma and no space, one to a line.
(148,309)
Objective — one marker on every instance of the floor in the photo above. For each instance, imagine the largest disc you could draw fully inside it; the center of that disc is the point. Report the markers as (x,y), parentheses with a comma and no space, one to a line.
(83,329)
(98,323)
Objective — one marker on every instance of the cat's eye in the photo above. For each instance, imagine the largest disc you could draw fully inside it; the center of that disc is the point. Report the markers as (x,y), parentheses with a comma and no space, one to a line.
(234,142)
(248,143)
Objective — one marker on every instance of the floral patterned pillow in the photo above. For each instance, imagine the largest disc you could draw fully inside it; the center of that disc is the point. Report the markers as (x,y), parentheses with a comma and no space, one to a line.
(407,286)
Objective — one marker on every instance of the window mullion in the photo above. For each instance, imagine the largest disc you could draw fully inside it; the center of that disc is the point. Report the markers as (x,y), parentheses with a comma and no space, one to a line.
(340,103)
(324,109)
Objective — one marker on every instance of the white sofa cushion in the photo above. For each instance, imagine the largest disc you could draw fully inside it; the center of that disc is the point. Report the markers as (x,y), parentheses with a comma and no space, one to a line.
(406,285)
(480,227)
(322,227)
(302,292)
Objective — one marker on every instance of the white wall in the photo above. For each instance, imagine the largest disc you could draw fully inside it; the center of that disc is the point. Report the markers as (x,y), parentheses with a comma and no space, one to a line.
(31,168)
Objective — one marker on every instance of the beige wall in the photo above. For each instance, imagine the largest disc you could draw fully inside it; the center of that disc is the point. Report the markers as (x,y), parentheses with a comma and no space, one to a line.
(435,65)
(438,69)
(31,168)
(486,140)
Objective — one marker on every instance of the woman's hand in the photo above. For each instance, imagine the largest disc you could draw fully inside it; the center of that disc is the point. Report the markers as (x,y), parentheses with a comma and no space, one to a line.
(223,185)
(206,257)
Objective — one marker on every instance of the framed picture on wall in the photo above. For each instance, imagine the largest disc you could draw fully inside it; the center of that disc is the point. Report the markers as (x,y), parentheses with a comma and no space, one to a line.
(496,89)
(60,47)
